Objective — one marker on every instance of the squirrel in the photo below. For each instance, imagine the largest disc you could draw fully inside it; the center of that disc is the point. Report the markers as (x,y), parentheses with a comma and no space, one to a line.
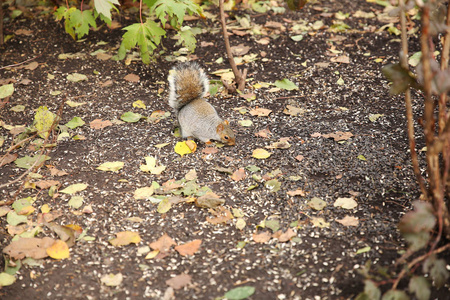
(188,85)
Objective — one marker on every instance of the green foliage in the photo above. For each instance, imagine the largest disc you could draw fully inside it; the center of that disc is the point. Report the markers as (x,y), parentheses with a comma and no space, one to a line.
(104,7)
(146,35)
(76,22)
(175,10)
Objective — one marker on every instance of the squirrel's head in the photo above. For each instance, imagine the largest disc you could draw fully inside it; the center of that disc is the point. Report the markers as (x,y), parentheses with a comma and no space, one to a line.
(226,133)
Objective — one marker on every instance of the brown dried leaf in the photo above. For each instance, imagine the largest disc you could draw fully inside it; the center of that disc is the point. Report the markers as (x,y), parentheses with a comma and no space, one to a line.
(260,112)
(8,158)
(238,175)
(299,157)
(163,244)
(349,221)
(55,172)
(339,135)
(132,78)
(293,110)
(222,214)
(125,238)
(189,248)
(106,83)
(262,237)
(23,32)
(100,124)
(45,184)
(263,133)
(179,281)
(240,50)
(29,247)
(297,192)
(341,59)
(284,237)
(209,200)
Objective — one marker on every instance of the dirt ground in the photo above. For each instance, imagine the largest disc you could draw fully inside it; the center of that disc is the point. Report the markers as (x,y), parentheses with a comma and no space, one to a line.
(319,261)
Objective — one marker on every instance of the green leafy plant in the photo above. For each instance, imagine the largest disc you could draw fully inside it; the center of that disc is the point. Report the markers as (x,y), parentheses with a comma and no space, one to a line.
(418,227)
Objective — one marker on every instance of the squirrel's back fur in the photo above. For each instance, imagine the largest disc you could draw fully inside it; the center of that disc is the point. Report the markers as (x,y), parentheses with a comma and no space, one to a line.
(187,82)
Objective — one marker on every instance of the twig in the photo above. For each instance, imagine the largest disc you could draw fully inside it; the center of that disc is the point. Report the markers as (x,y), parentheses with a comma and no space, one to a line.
(238,76)
(21,63)
(416,261)
(408,104)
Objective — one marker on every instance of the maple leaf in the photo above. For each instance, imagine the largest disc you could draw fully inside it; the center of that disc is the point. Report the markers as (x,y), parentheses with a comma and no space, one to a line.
(163,244)
(189,248)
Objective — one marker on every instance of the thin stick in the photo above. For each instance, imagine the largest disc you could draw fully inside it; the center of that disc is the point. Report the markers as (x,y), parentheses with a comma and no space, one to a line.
(408,104)
(239,77)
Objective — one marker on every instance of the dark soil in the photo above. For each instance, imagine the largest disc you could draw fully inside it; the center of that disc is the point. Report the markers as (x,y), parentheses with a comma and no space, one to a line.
(320,263)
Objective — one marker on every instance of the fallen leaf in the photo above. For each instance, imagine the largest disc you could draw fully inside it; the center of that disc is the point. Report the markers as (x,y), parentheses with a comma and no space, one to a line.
(179,281)
(279,145)
(349,221)
(164,206)
(299,157)
(264,133)
(100,124)
(209,200)
(293,110)
(238,175)
(139,104)
(132,78)
(6,279)
(184,147)
(29,247)
(297,192)
(191,175)
(143,193)
(76,77)
(8,158)
(260,153)
(125,238)
(131,117)
(245,123)
(338,136)
(74,188)
(346,203)
(286,84)
(273,185)
(341,59)
(284,236)
(31,66)
(76,202)
(45,184)
(240,223)
(189,248)
(210,150)
(319,222)
(150,166)
(111,166)
(317,203)
(163,244)
(260,112)
(222,215)
(59,250)
(262,237)
(112,279)
(242,292)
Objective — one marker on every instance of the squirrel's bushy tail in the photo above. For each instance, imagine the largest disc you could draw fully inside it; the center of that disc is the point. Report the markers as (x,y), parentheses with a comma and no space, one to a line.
(187,82)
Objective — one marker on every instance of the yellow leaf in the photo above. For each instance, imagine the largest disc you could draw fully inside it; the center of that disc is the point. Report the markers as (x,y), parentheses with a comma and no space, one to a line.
(143,193)
(185,147)
(113,166)
(45,208)
(164,206)
(59,250)
(152,254)
(125,238)
(261,153)
(139,104)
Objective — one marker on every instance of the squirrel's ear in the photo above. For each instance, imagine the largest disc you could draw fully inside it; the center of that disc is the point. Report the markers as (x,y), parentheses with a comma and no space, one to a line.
(220,127)
(226,122)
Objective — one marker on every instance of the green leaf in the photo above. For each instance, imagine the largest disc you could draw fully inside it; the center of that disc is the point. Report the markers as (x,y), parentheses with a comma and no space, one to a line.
(317,203)
(75,122)
(416,225)
(273,185)
(76,77)
(74,188)
(43,121)
(14,219)
(400,77)
(104,7)
(297,38)
(6,279)
(363,250)
(286,84)
(420,286)
(395,295)
(361,157)
(253,168)
(76,202)
(164,206)
(112,166)
(273,224)
(18,108)
(27,161)
(187,38)
(130,117)
(20,204)
(239,293)
(437,269)
(6,90)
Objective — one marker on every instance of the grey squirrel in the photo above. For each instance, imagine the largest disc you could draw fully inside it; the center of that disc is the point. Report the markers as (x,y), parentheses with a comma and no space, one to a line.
(188,85)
